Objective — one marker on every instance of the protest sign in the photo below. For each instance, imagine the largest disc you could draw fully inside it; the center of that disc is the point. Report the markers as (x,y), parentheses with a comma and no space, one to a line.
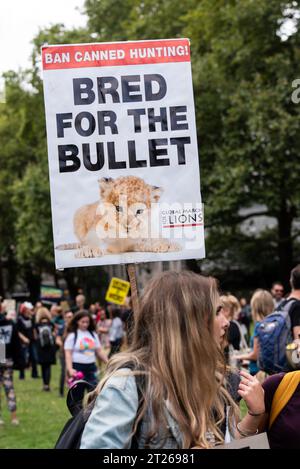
(50,293)
(9,306)
(117,291)
(123,156)
(252,442)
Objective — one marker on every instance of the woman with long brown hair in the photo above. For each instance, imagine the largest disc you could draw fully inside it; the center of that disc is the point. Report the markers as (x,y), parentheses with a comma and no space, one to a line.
(170,389)
(82,348)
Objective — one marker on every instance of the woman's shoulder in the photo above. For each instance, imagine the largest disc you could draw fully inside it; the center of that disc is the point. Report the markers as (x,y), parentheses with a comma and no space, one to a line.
(70,336)
(122,379)
(270,386)
(272,382)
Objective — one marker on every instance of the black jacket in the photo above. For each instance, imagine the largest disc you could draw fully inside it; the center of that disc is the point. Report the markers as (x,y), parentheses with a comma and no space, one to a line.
(9,335)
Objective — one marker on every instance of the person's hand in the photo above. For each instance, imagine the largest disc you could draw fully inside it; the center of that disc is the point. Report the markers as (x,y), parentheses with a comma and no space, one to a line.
(252,392)
(26,341)
(238,357)
(72,372)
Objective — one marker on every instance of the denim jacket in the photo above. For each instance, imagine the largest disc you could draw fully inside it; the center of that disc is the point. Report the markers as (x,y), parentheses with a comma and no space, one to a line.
(111,421)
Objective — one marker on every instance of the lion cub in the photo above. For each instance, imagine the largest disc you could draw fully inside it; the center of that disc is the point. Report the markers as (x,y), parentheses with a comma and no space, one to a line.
(120,221)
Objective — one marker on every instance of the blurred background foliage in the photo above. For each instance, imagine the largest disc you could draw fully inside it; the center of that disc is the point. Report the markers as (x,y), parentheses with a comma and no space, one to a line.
(245,56)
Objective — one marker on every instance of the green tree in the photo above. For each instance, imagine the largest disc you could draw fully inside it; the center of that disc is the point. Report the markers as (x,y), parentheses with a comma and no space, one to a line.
(243,74)
(243,69)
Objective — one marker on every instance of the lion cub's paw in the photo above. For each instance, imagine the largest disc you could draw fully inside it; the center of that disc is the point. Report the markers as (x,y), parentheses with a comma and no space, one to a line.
(165,246)
(87,251)
(174,247)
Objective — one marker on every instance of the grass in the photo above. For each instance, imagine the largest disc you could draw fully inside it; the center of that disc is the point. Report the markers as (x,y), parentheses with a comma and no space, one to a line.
(42,415)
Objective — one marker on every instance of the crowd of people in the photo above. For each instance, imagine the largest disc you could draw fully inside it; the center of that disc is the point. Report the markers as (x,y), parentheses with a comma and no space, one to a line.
(77,336)
(171,375)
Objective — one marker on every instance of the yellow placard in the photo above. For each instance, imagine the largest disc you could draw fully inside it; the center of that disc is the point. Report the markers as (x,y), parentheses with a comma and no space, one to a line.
(117,291)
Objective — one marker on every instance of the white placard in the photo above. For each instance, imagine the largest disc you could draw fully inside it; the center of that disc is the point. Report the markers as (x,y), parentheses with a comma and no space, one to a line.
(123,156)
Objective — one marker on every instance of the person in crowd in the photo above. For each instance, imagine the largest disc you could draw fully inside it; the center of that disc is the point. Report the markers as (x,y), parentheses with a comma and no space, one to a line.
(261,305)
(60,340)
(281,419)
(294,310)
(236,340)
(66,298)
(175,364)
(116,332)
(244,317)
(82,348)
(54,312)
(45,340)
(13,358)
(103,326)
(25,327)
(99,312)
(80,303)
(277,292)
(93,310)
(58,319)
(37,306)
(231,309)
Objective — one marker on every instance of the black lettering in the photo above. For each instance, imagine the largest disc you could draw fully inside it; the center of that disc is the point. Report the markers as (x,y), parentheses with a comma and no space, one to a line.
(180,142)
(68,153)
(107,119)
(87,157)
(162,87)
(112,163)
(61,123)
(128,88)
(91,124)
(81,87)
(176,118)
(154,152)
(161,118)
(133,162)
(111,89)
(136,113)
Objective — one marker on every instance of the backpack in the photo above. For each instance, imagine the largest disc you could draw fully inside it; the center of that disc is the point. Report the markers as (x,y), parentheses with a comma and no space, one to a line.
(274,333)
(70,437)
(45,336)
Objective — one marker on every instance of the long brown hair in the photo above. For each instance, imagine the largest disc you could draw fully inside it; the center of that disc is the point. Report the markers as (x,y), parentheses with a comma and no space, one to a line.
(73,324)
(173,342)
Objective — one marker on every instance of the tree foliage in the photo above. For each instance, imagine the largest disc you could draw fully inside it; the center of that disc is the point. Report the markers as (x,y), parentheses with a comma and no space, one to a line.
(243,69)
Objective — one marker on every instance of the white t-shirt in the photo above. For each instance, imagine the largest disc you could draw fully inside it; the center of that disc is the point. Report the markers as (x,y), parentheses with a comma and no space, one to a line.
(84,349)
(116,330)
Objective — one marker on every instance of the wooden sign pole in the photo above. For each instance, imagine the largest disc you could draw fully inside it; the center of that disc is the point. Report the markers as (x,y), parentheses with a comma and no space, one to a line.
(133,285)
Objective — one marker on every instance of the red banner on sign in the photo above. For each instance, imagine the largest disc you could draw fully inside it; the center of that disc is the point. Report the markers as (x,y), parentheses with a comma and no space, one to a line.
(110,54)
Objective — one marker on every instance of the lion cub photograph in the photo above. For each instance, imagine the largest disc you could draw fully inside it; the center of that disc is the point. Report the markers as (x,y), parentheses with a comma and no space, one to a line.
(119,221)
